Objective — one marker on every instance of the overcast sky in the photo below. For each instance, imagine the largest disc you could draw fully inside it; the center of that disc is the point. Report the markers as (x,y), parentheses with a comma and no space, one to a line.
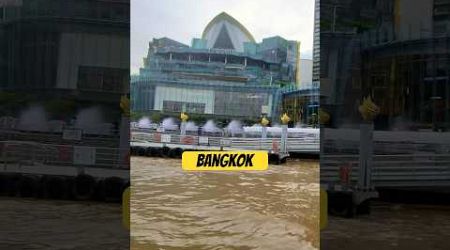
(183,20)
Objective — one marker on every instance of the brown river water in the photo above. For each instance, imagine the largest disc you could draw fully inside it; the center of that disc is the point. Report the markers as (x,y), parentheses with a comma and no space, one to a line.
(274,209)
(391,226)
(53,224)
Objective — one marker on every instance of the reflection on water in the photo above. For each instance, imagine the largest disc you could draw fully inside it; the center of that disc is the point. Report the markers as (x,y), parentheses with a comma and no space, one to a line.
(51,224)
(275,209)
(391,226)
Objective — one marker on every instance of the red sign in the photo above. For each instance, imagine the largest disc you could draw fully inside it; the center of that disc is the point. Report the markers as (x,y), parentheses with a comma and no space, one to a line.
(187,139)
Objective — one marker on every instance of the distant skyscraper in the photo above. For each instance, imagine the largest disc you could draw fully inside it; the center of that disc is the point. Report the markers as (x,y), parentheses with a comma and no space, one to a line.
(316,44)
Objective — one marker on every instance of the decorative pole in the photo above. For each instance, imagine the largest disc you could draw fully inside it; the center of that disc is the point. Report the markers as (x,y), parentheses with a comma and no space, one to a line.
(124,133)
(284,120)
(369,110)
(324,118)
(184,117)
(264,123)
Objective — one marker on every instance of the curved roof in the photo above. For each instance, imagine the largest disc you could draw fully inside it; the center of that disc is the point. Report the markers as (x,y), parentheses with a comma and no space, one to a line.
(225,32)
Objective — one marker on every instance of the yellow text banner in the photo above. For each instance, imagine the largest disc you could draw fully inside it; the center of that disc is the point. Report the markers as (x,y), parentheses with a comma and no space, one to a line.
(225,161)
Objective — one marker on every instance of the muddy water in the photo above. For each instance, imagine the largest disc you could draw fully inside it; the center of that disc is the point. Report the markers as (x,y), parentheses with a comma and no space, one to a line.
(52,224)
(172,209)
(391,226)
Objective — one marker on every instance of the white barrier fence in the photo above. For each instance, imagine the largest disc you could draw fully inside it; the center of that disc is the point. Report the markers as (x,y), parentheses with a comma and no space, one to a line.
(294,145)
(30,153)
(407,170)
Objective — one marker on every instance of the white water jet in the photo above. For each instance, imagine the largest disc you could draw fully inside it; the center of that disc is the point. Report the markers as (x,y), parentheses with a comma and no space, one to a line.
(144,122)
(190,126)
(210,127)
(90,120)
(234,127)
(33,119)
(169,124)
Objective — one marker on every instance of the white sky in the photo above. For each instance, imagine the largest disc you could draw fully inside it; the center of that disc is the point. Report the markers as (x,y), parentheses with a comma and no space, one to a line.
(183,20)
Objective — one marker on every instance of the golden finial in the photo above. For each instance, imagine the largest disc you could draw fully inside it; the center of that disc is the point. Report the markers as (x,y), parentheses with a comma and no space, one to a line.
(368,109)
(264,121)
(324,117)
(125,105)
(285,118)
(184,117)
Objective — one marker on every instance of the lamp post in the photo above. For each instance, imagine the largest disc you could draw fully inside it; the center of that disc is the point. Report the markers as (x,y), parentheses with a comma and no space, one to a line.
(264,123)
(369,110)
(284,120)
(434,118)
(124,130)
(324,118)
(184,117)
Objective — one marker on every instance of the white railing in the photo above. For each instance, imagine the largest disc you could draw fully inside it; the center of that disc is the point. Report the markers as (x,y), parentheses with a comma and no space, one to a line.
(300,145)
(31,153)
(402,170)
(57,138)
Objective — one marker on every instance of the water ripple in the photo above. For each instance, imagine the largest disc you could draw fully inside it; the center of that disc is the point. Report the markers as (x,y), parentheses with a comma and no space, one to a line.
(172,209)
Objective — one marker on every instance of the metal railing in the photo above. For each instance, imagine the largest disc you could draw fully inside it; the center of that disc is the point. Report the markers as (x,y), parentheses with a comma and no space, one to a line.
(300,145)
(401,170)
(31,153)
(57,138)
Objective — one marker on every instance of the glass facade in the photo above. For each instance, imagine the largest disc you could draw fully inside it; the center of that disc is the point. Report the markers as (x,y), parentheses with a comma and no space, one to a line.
(302,106)
(217,77)
(402,63)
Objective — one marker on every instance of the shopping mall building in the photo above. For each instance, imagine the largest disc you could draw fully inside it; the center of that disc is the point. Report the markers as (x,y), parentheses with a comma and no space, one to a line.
(224,74)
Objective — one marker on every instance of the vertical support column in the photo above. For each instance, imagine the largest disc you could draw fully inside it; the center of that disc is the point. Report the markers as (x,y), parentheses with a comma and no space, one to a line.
(284,129)
(365,155)
(226,59)
(322,138)
(184,117)
(245,62)
(264,132)
(183,128)
(170,57)
(124,138)
(447,101)
(81,170)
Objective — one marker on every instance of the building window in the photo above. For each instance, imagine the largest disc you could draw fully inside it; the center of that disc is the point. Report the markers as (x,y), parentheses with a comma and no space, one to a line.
(195,108)
(102,79)
(173,106)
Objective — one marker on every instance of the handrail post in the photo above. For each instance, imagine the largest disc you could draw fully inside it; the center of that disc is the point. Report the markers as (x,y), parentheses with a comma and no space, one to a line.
(183,128)
(365,155)
(284,129)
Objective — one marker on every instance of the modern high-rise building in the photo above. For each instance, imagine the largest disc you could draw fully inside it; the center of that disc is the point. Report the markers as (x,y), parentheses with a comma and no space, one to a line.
(224,74)
(316,43)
